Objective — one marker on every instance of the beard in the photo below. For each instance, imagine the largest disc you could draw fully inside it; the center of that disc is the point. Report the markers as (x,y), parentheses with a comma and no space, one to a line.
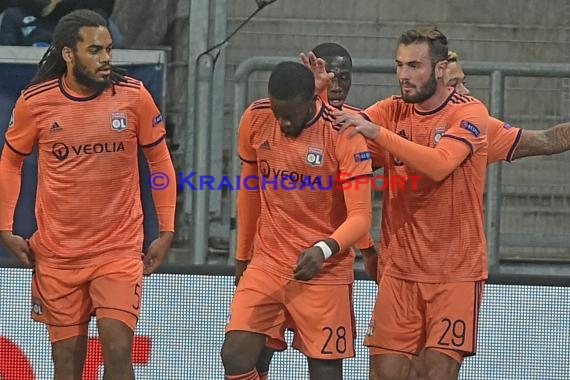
(422,93)
(84,78)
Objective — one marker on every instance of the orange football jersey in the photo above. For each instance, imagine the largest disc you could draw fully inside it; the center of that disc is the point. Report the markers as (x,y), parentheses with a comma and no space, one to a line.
(436,232)
(302,201)
(88,205)
(503,140)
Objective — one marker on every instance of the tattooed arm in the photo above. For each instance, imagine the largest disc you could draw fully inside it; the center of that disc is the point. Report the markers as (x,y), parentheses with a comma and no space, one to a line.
(550,141)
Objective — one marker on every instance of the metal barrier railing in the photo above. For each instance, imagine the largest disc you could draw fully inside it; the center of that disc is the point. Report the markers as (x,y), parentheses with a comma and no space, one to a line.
(495,70)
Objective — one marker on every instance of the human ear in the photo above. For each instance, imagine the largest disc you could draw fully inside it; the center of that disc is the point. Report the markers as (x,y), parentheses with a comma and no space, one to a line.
(441,69)
(67,54)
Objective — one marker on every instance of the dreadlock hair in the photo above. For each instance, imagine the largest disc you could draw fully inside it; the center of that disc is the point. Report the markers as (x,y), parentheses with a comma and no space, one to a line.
(66,34)
(331,49)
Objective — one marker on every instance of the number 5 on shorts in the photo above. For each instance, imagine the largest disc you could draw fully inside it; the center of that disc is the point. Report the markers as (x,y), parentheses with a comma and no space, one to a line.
(137,303)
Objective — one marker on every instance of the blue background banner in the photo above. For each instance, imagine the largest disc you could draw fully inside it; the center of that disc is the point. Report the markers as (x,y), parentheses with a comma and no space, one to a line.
(13,78)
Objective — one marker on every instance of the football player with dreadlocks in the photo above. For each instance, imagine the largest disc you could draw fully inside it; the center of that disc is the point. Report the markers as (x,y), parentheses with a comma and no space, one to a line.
(87,119)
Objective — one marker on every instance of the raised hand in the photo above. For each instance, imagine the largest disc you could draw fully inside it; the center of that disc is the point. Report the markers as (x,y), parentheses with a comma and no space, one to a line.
(318,67)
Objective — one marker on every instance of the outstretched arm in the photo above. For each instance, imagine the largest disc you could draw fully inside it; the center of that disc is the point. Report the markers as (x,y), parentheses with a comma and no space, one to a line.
(434,163)
(550,141)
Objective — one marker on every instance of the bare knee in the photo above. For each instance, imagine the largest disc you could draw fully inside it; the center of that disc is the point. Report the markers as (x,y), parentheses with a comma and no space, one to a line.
(264,361)
(389,367)
(64,352)
(449,371)
(325,369)
(391,373)
(240,351)
(440,366)
(233,358)
(417,368)
(68,357)
(117,351)
(117,342)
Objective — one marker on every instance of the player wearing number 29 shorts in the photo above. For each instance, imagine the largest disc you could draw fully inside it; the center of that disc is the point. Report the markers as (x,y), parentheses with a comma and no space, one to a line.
(433,254)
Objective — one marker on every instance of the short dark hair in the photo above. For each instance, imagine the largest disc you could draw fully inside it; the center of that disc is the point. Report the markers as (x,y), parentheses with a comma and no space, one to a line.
(331,49)
(291,79)
(436,41)
(66,34)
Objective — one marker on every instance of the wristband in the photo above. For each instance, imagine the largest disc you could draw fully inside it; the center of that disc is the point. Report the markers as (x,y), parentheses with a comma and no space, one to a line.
(327,251)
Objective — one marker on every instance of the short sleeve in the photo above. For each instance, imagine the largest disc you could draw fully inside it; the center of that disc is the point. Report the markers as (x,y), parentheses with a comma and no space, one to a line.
(246,151)
(469,124)
(503,139)
(151,127)
(22,132)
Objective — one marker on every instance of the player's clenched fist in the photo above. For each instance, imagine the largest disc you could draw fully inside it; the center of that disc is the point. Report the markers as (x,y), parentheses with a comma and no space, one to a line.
(309,264)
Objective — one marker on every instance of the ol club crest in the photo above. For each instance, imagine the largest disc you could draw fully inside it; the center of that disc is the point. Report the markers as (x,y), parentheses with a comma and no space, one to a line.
(315,157)
(118,121)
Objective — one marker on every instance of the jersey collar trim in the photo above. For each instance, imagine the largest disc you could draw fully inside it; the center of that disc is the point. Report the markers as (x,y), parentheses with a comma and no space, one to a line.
(317,115)
(436,110)
(73,97)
